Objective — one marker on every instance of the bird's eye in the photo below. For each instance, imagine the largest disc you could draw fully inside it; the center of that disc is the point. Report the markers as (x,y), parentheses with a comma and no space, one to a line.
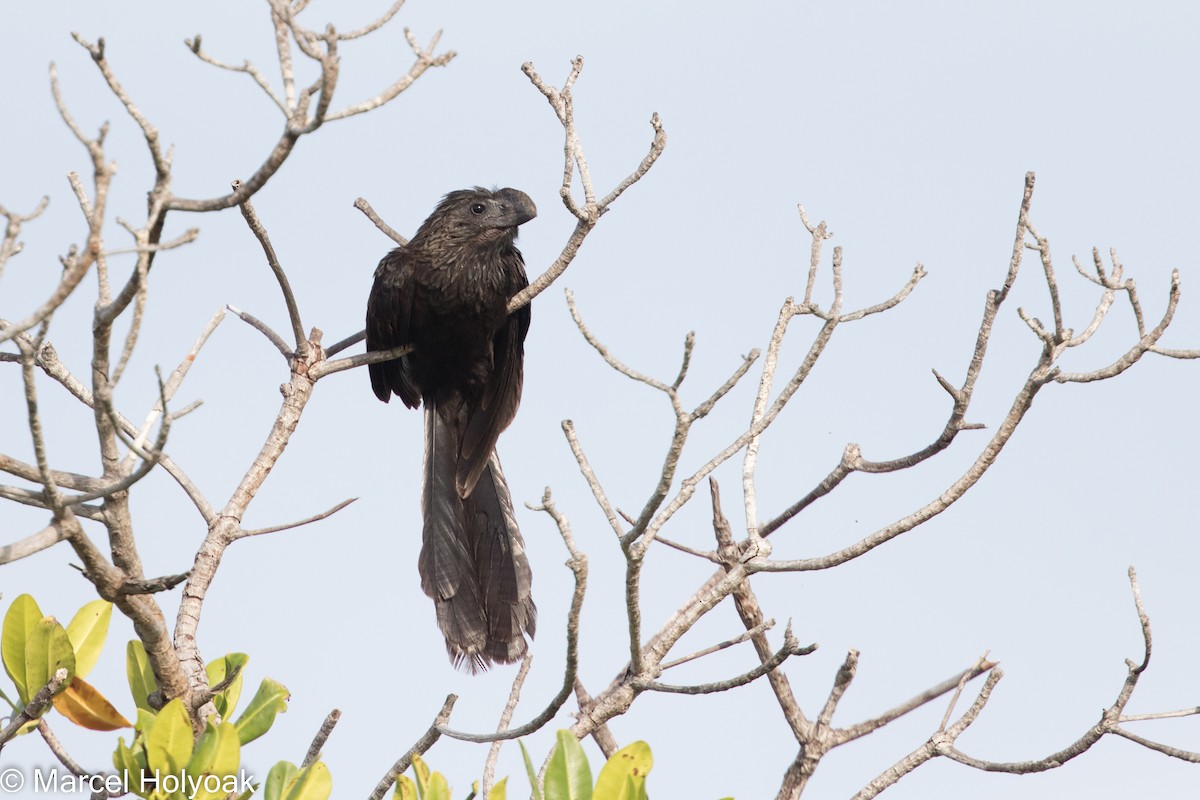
(478,208)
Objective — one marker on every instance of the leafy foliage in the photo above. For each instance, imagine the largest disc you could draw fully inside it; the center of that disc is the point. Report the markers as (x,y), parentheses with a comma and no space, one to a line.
(568,776)
(165,760)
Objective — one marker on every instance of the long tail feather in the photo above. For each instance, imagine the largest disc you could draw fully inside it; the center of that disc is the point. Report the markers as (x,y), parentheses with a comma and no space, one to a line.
(505,580)
(473,562)
(447,562)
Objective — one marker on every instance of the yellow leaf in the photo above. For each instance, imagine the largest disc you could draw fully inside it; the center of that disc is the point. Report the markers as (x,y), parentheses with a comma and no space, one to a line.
(405,788)
(22,616)
(86,707)
(624,775)
(169,743)
(421,770)
(87,631)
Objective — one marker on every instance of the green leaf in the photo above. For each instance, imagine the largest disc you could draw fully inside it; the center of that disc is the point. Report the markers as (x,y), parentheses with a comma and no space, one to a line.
(145,721)
(421,770)
(130,761)
(169,742)
(229,751)
(535,793)
(218,753)
(499,791)
(311,783)
(47,649)
(624,775)
(405,788)
(220,668)
(87,631)
(270,699)
(568,776)
(204,753)
(438,788)
(278,778)
(141,677)
(19,620)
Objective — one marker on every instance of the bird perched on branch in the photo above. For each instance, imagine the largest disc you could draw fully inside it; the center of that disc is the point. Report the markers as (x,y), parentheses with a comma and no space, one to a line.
(445,293)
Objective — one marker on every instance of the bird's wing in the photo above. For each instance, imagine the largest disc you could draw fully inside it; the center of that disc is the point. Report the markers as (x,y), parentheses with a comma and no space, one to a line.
(389,321)
(502,394)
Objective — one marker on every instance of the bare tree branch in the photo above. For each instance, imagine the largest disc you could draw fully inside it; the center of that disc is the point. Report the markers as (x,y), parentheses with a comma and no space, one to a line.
(9,246)
(362,205)
(154,585)
(1109,720)
(298,523)
(420,747)
(318,742)
(59,751)
(937,745)
(790,648)
(425,60)
(762,627)
(953,683)
(1183,712)
(323,368)
(489,765)
(36,705)
(47,537)
(289,299)
(76,265)
(263,328)
(248,68)
(1173,752)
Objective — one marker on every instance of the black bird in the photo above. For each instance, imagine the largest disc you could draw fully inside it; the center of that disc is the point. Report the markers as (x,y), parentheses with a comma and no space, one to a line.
(446,293)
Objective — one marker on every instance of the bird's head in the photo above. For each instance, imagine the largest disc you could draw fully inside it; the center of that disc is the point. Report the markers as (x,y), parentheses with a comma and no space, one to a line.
(481,215)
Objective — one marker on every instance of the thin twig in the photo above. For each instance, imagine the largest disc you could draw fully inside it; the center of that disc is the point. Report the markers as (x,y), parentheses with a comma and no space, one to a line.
(1183,712)
(289,298)
(861,729)
(246,67)
(9,245)
(762,627)
(59,751)
(514,696)
(419,748)
(589,475)
(323,368)
(845,675)
(958,690)
(318,742)
(790,648)
(612,360)
(266,330)
(36,705)
(289,525)
(164,583)
(362,205)
(47,537)
(339,346)
(1174,752)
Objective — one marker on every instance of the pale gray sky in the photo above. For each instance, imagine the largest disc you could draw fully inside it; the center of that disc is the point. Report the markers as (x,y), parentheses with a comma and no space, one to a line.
(908,126)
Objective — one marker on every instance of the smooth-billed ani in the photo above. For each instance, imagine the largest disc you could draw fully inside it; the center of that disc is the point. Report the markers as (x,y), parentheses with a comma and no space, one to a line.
(446,293)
